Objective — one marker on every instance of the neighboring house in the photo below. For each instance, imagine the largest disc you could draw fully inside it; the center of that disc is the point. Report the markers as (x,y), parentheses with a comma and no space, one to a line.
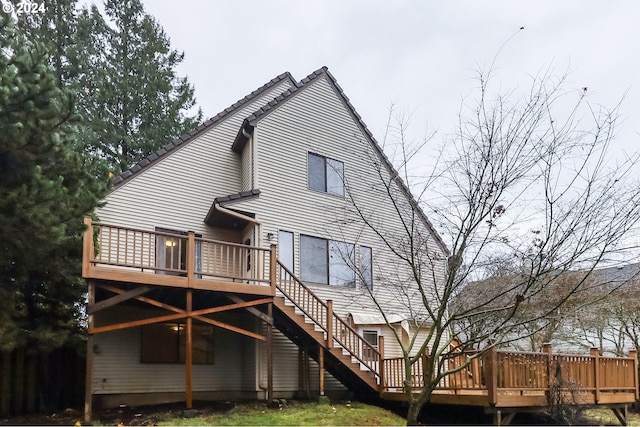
(185,240)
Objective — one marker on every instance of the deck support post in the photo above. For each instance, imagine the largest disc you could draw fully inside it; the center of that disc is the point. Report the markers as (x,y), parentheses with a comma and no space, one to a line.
(88,389)
(491,374)
(88,248)
(303,372)
(595,353)
(270,352)
(546,348)
(321,368)
(381,364)
(424,359)
(499,420)
(189,351)
(329,323)
(633,354)
(622,414)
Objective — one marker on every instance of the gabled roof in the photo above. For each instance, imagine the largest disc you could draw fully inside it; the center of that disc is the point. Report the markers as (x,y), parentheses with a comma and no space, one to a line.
(188,137)
(252,120)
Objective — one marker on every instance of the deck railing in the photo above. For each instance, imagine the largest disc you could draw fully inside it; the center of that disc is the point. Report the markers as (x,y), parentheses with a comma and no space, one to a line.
(499,372)
(187,255)
(320,313)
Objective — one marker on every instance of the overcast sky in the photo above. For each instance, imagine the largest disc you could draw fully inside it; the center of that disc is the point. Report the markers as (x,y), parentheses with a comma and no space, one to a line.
(420,55)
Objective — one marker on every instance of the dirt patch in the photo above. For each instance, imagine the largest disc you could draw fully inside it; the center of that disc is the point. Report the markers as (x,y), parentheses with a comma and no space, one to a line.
(124,415)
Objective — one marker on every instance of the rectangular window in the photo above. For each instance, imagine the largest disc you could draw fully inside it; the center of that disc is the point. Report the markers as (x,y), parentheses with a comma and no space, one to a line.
(341,257)
(326,174)
(167,343)
(314,266)
(285,249)
(171,252)
(371,338)
(327,261)
(366,272)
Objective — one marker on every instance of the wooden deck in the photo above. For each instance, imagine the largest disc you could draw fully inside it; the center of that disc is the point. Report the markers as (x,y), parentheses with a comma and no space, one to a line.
(508,379)
(495,379)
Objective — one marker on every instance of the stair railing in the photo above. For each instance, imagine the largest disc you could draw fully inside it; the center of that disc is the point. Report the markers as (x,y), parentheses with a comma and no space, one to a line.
(321,314)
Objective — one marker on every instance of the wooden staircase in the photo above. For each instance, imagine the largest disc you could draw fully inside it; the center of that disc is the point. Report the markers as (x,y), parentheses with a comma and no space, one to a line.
(311,324)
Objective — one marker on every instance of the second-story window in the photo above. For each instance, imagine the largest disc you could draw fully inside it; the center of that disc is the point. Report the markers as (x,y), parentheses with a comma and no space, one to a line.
(328,262)
(326,174)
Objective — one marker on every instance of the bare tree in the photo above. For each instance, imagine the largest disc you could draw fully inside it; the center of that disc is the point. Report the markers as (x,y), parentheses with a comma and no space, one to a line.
(525,179)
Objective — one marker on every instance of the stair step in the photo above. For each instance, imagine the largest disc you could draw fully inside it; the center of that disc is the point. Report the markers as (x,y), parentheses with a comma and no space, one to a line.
(317,335)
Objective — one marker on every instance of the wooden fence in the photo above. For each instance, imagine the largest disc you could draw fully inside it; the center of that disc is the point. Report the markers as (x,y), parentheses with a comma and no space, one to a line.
(40,382)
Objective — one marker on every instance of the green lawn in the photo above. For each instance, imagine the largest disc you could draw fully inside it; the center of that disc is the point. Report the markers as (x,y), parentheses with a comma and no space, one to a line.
(602,416)
(294,413)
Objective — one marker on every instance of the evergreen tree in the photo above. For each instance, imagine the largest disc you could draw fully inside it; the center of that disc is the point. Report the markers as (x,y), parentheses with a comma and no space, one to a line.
(46,186)
(55,26)
(128,87)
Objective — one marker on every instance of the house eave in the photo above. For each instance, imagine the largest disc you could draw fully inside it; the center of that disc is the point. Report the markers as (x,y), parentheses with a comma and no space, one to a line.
(221,216)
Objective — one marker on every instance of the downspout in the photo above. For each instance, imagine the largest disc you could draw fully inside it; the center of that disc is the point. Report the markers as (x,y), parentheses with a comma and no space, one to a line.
(249,136)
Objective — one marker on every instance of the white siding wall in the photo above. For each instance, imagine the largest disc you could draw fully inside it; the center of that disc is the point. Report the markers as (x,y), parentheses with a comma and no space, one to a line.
(177,191)
(316,120)
(285,367)
(117,367)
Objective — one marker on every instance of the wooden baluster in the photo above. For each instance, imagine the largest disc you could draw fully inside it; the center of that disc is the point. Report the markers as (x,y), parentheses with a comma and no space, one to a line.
(118,239)
(109,234)
(272,267)
(126,246)
(135,248)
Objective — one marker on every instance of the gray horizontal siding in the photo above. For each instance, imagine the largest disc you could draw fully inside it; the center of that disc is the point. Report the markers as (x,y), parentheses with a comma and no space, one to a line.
(117,367)
(177,191)
(316,120)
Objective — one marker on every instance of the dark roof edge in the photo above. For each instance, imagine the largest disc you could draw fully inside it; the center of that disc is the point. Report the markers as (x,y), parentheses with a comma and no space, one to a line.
(188,137)
(250,121)
(230,198)
(236,197)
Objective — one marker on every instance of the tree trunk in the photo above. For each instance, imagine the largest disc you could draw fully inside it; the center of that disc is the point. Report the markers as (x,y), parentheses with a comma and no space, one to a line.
(413,412)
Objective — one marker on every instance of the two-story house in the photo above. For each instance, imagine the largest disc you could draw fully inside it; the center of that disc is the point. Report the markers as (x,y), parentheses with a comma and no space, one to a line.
(232,263)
